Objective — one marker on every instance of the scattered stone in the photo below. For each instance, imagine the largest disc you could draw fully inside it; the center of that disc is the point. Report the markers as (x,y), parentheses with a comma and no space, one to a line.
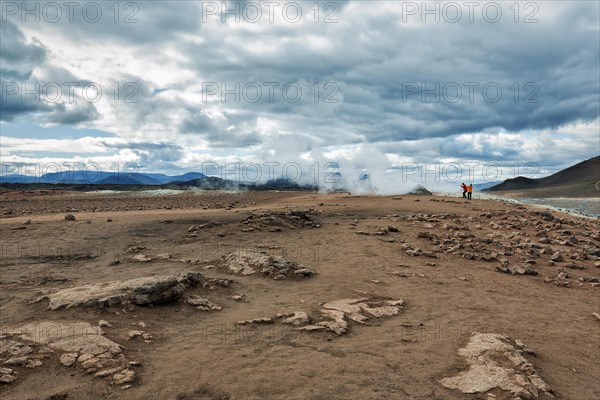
(135,249)
(304,272)
(516,270)
(572,265)
(497,362)
(557,257)
(140,291)
(45,350)
(33,363)
(141,258)
(28,222)
(203,304)
(337,311)
(546,216)
(104,324)
(70,217)
(107,372)
(591,279)
(20,361)
(84,357)
(134,333)
(298,318)
(6,378)
(220,282)
(596,315)
(164,256)
(265,320)
(125,376)
(68,359)
(560,279)
(237,297)
(16,349)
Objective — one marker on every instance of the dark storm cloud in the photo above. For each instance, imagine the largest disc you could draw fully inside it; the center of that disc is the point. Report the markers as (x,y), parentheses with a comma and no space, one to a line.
(136,23)
(79,113)
(17,61)
(149,153)
(17,57)
(21,94)
(375,57)
(228,131)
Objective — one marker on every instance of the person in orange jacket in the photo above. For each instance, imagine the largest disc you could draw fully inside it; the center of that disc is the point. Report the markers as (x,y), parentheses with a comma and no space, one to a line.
(465,190)
(470,190)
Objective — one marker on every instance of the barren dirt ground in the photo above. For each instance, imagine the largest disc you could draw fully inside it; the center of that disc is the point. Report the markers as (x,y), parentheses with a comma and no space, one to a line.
(442,262)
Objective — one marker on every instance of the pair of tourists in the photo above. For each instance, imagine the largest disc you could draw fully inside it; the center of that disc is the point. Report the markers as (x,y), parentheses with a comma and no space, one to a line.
(467,190)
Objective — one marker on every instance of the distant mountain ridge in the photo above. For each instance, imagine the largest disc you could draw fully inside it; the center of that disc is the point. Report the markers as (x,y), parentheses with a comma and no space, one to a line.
(580,180)
(194,180)
(100,178)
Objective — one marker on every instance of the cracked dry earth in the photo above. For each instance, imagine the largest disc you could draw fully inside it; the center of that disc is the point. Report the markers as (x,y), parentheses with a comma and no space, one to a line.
(275,295)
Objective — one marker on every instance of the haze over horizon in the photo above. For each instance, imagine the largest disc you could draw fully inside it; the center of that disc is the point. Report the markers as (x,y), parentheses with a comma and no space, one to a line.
(374,87)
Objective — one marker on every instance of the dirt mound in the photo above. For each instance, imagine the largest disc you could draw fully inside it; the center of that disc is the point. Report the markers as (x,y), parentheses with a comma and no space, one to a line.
(277,221)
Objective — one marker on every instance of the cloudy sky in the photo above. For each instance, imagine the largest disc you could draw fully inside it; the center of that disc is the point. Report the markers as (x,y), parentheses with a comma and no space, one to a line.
(399,90)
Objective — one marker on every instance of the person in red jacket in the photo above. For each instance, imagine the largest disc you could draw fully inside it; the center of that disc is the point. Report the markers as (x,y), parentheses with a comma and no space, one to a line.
(465,189)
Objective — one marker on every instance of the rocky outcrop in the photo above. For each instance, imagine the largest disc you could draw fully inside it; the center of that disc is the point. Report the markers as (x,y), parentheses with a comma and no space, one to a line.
(496,361)
(140,291)
(420,191)
(276,267)
(77,343)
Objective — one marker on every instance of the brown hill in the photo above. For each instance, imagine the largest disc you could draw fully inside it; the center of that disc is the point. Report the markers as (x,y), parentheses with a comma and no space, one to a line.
(580,180)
